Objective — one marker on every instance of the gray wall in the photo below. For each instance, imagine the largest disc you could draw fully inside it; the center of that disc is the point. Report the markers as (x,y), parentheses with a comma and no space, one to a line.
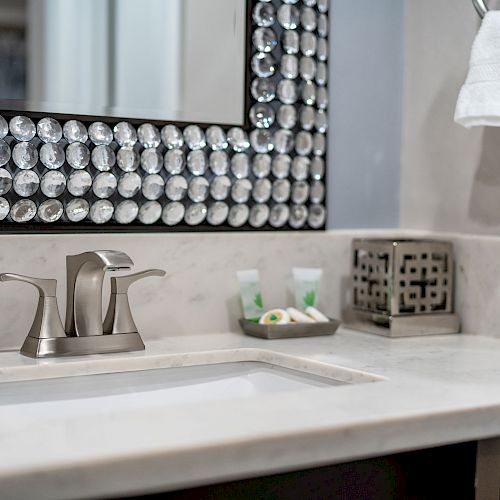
(450,176)
(366,73)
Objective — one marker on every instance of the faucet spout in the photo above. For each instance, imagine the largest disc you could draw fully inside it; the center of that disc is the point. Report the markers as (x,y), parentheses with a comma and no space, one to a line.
(85,275)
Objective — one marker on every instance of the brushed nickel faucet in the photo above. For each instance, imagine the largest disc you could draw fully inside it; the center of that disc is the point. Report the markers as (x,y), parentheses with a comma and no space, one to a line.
(84,332)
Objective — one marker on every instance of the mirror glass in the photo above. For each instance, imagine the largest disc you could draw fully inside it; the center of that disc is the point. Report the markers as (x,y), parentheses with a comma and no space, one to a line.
(172,60)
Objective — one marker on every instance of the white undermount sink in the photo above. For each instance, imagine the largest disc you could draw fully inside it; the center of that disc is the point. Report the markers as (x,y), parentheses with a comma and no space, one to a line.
(218,375)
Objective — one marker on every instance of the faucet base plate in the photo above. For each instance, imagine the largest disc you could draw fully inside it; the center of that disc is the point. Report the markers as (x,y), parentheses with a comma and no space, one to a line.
(81,346)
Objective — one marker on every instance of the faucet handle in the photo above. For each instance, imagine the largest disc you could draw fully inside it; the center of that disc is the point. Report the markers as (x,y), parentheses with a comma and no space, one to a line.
(119,317)
(47,323)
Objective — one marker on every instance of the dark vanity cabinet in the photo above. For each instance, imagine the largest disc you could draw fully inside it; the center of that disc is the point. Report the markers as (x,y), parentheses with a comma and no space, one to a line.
(442,473)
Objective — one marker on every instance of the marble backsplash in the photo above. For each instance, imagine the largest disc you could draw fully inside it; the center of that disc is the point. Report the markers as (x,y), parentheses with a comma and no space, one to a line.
(200,292)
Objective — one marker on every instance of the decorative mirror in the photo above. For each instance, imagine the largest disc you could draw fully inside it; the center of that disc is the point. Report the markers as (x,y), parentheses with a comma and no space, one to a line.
(163,115)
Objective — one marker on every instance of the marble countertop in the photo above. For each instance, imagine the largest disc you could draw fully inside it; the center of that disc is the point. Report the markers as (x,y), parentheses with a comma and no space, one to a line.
(438,390)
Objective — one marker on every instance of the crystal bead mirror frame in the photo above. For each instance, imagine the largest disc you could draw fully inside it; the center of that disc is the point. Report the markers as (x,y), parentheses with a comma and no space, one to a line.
(63,173)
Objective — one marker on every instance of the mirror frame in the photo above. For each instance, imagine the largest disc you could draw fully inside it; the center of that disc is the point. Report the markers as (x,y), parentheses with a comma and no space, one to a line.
(291,125)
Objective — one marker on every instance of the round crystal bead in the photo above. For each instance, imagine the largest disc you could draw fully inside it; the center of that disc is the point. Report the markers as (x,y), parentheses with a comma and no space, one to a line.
(197,162)
(308,19)
(25,155)
(288,16)
(261,165)
(174,161)
(129,184)
(283,141)
(303,143)
(194,137)
(308,44)
(240,190)
(259,215)
(50,211)
(287,116)
(53,184)
(103,158)
(49,130)
(26,183)
(217,213)
(262,115)
(150,212)
(125,135)
(126,212)
(127,159)
(216,138)
(23,211)
(298,216)
(264,39)
(173,213)
(300,167)
(300,192)
(176,188)
(52,156)
(151,161)
(281,166)
(238,139)
(281,190)
(264,14)
(78,155)
(238,215)
(104,185)
(317,216)
(100,134)
(153,187)
(219,162)
(317,170)
(220,187)
(279,215)
(172,137)
(261,141)
(263,89)
(22,128)
(262,190)
(75,131)
(240,165)
(290,41)
(287,92)
(198,189)
(263,65)
(79,182)
(195,214)
(317,192)
(101,211)
(289,66)
(77,210)
(149,135)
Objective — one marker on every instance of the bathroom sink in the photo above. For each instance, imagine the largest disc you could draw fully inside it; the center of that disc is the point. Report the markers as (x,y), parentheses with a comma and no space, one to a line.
(245,374)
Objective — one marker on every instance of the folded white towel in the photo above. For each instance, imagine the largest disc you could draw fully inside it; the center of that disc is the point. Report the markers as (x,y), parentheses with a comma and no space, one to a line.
(479,100)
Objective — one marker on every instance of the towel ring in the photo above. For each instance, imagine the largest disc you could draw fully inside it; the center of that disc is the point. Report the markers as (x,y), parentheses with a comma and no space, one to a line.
(481,7)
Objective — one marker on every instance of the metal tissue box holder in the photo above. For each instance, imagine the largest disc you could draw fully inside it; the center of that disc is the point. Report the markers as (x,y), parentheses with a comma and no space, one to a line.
(402,288)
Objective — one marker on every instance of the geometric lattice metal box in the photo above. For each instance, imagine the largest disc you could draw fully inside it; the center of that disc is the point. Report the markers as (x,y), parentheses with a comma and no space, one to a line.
(405,286)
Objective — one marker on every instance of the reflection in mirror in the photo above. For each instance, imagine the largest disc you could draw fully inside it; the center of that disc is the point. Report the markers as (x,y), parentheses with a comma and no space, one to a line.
(172,60)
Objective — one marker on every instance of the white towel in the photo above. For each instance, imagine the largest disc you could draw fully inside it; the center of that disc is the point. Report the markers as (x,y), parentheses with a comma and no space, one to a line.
(479,100)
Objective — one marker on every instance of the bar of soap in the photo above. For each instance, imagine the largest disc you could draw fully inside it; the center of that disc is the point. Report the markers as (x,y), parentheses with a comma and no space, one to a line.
(275,317)
(299,316)
(316,315)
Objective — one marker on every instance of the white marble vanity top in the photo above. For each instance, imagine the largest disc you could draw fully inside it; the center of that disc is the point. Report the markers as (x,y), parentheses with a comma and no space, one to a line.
(438,390)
